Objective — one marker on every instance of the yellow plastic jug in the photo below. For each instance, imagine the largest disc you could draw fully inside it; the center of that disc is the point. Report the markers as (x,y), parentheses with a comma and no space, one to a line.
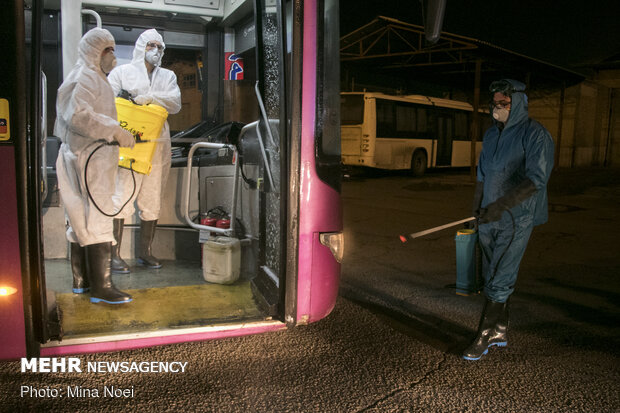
(145,122)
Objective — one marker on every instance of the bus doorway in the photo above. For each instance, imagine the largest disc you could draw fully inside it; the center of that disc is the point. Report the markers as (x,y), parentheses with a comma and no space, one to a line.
(263,125)
(178,298)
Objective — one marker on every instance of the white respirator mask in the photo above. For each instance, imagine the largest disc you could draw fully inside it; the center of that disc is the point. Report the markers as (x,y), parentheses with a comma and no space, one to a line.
(153,56)
(501,114)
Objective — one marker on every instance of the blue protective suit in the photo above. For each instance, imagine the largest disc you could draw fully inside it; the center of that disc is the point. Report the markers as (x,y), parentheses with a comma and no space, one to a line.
(521,150)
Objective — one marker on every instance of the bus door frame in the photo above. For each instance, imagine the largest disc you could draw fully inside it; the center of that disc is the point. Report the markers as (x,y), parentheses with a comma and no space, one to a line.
(273,295)
(25,98)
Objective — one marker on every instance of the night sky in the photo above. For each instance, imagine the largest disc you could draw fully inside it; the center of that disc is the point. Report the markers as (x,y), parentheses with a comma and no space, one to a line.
(567,33)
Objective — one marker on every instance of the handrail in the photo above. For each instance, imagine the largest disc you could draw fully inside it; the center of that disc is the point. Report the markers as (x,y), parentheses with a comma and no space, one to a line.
(187,187)
(256,125)
(94,14)
(263,112)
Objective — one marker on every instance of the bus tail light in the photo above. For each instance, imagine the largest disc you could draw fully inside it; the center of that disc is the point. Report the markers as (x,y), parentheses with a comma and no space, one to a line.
(6,290)
(335,242)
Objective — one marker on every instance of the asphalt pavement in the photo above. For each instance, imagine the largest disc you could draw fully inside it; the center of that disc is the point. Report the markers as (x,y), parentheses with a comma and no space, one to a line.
(392,343)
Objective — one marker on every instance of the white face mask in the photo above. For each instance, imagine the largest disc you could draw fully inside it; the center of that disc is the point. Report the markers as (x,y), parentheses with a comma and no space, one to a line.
(108,62)
(153,56)
(501,114)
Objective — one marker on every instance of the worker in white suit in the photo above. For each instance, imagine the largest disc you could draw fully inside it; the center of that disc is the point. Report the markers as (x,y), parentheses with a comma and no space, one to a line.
(87,164)
(146,83)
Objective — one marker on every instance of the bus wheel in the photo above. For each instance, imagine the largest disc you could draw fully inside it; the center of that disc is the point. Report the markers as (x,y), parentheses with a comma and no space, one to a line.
(418,163)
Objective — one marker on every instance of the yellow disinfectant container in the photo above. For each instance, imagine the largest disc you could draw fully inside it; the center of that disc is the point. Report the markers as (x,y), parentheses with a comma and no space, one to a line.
(145,122)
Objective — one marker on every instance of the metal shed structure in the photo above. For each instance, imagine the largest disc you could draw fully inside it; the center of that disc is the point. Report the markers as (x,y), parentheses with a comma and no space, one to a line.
(392,45)
(390,54)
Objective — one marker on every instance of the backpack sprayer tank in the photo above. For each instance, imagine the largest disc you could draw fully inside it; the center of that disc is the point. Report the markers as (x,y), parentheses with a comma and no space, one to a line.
(145,122)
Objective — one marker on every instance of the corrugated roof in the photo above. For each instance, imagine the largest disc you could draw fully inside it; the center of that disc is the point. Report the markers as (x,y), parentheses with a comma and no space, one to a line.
(394,45)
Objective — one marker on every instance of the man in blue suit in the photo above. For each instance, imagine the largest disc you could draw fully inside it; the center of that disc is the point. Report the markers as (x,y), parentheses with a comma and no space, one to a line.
(510,199)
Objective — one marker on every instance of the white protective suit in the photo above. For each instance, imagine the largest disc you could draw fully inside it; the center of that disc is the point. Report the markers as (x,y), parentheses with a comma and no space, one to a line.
(86,116)
(162,87)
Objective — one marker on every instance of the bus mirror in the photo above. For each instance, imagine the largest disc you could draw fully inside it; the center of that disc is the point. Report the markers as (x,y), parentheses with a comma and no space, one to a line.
(434,20)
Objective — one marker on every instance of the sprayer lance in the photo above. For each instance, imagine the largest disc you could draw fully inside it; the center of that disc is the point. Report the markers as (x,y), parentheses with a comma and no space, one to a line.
(403,238)
(115,143)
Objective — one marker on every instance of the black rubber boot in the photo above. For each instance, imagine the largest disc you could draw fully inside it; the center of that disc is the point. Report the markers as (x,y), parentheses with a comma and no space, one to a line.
(119,266)
(491,331)
(98,264)
(147,233)
(78,268)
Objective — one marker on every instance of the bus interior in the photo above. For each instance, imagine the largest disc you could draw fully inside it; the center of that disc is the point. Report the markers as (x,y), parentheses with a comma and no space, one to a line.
(229,63)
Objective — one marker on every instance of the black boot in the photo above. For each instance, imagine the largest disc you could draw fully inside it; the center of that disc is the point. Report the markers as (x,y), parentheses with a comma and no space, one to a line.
(98,264)
(491,331)
(119,266)
(78,268)
(147,233)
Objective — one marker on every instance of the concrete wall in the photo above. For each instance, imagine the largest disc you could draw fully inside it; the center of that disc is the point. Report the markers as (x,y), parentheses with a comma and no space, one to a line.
(544,106)
(613,154)
(589,134)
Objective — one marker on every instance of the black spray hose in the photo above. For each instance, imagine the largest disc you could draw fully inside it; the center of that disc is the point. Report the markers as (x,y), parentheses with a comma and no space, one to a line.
(86,180)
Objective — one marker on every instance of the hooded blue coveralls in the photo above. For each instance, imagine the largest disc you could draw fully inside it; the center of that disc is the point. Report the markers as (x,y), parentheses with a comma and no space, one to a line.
(522,150)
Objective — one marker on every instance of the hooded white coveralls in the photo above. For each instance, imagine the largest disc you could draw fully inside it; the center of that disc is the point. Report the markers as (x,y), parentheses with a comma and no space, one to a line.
(86,114)
(162,87)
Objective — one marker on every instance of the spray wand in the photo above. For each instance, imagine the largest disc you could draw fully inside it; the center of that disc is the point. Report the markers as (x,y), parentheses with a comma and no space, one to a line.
(404,238)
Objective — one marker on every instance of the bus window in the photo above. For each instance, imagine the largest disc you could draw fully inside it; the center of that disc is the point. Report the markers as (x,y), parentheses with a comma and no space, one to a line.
(422,127)
(386,118)
(461,126)
(406,119)
(270,96)
(445,134)
(351,109)
(328,94)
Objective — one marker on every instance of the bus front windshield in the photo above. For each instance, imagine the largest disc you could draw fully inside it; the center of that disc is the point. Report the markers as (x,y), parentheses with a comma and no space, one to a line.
(351,109)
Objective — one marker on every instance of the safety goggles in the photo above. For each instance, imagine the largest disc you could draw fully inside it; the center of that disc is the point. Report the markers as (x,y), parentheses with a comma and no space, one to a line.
(502,86)
(151,45)
(501,104)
